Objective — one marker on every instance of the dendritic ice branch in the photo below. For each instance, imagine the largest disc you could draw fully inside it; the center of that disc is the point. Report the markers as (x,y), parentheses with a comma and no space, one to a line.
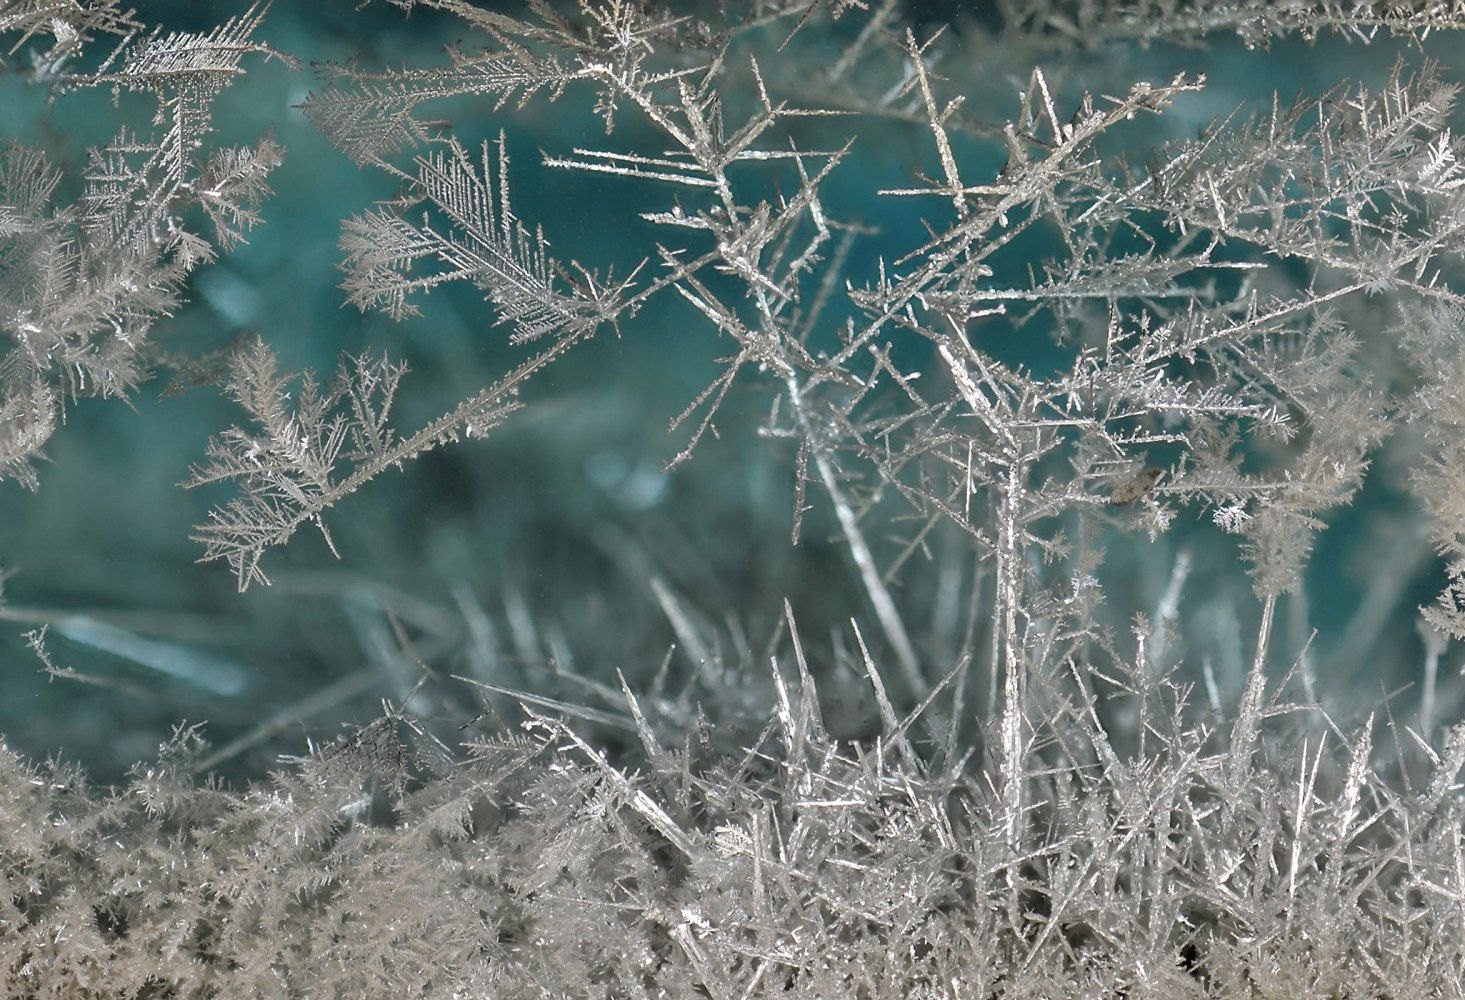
(308,445)
(482,242)
(82,283)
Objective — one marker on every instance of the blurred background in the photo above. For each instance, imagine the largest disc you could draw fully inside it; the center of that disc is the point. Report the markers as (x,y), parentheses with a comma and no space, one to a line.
(559,550)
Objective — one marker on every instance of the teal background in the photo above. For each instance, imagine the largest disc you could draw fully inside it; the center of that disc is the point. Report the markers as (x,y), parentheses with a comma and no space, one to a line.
(563,516)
